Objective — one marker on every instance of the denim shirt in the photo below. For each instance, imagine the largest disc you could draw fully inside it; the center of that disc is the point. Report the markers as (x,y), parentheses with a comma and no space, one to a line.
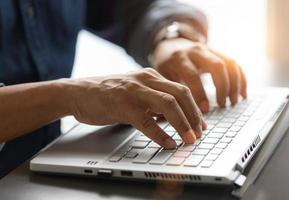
(38,38)
(37,43)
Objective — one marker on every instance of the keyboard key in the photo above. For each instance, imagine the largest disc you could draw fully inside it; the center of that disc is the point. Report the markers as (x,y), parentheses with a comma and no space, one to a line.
(182,154)
(212,122)
(230,134)
(187,147)
(224,125)
(210,126)
(154,145)
(139,144)
(206,132)
(212,156)
(200,151)
(211,140)
(117,156)
(179,142)
(221,145)
(220,130)
(235,128)
(145,155)
(239,123)
(233,115)
(170,128)
(170,133)
(206,146)
(193,160)
(215,135)
(228,120)
(161,157)
(177,137)
(225,140)
(142,138)
(131,154)
(197,142)
(217,151)
(207,163)
(243,118)
(175,161)
(202,137)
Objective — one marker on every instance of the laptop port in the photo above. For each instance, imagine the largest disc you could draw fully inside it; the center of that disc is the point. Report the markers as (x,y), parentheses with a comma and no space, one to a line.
(126,173)
(88,171)
(105,173)
(218,179)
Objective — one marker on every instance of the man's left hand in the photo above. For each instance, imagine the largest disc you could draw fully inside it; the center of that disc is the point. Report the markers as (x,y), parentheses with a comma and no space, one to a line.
(183,61)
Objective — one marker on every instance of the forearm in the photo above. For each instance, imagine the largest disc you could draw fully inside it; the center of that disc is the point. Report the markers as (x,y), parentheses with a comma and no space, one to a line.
(26,107)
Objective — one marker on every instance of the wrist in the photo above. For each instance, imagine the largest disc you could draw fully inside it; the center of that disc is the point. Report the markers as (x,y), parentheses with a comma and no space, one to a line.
(165,49)
(175,31)
(64,90)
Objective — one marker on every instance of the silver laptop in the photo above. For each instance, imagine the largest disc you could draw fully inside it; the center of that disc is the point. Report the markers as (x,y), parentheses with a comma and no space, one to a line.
(233,136)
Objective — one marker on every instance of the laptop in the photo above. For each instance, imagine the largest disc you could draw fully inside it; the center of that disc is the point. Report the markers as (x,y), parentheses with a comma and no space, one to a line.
(220,156)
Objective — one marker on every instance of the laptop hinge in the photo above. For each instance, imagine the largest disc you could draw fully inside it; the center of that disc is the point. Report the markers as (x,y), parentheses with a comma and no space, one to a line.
(240,180)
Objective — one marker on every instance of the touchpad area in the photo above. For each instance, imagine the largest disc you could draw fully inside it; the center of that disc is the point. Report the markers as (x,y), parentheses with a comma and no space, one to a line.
(84,144)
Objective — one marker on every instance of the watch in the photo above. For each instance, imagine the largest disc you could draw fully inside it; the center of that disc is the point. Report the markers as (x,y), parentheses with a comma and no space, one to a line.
(177,30)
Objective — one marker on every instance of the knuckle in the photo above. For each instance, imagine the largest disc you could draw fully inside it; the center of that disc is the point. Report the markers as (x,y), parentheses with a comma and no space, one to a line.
(184,90)
(219,65)
(197,47)
(182,125)
(178,54)
(169,100)
(148,73)
(132,85)
(146,121)
(196,119)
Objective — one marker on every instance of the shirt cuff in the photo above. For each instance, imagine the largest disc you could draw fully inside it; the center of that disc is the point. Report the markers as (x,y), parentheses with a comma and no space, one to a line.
(162,13)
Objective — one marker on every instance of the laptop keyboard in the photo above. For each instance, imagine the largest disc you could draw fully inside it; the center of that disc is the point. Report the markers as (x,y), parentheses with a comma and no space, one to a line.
(223,126)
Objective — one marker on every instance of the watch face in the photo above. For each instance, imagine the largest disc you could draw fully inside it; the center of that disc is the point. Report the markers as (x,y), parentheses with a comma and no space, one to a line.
(172,31)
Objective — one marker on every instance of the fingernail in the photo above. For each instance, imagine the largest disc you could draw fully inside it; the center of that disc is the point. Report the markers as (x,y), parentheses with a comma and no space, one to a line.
(234,99)
(222,103)
(170,143)
(204,124)
(198,131)
(204,106)
(244,94)
(189,137)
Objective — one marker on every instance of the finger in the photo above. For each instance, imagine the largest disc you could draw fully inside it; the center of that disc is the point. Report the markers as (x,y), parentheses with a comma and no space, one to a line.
(243,84)
(146,124)
(208,62)
(190,76)
(185,100)
(234,77)
(166,104)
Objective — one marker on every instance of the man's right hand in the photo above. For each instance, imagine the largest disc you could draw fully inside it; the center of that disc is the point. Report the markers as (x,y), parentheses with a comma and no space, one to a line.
(135,98)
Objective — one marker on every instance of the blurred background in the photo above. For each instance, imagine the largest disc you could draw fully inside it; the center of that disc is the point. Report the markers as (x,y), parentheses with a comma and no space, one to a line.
(254,32)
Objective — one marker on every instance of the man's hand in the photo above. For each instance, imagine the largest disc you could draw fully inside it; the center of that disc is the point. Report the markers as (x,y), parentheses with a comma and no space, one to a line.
(183,61)
(135,98)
